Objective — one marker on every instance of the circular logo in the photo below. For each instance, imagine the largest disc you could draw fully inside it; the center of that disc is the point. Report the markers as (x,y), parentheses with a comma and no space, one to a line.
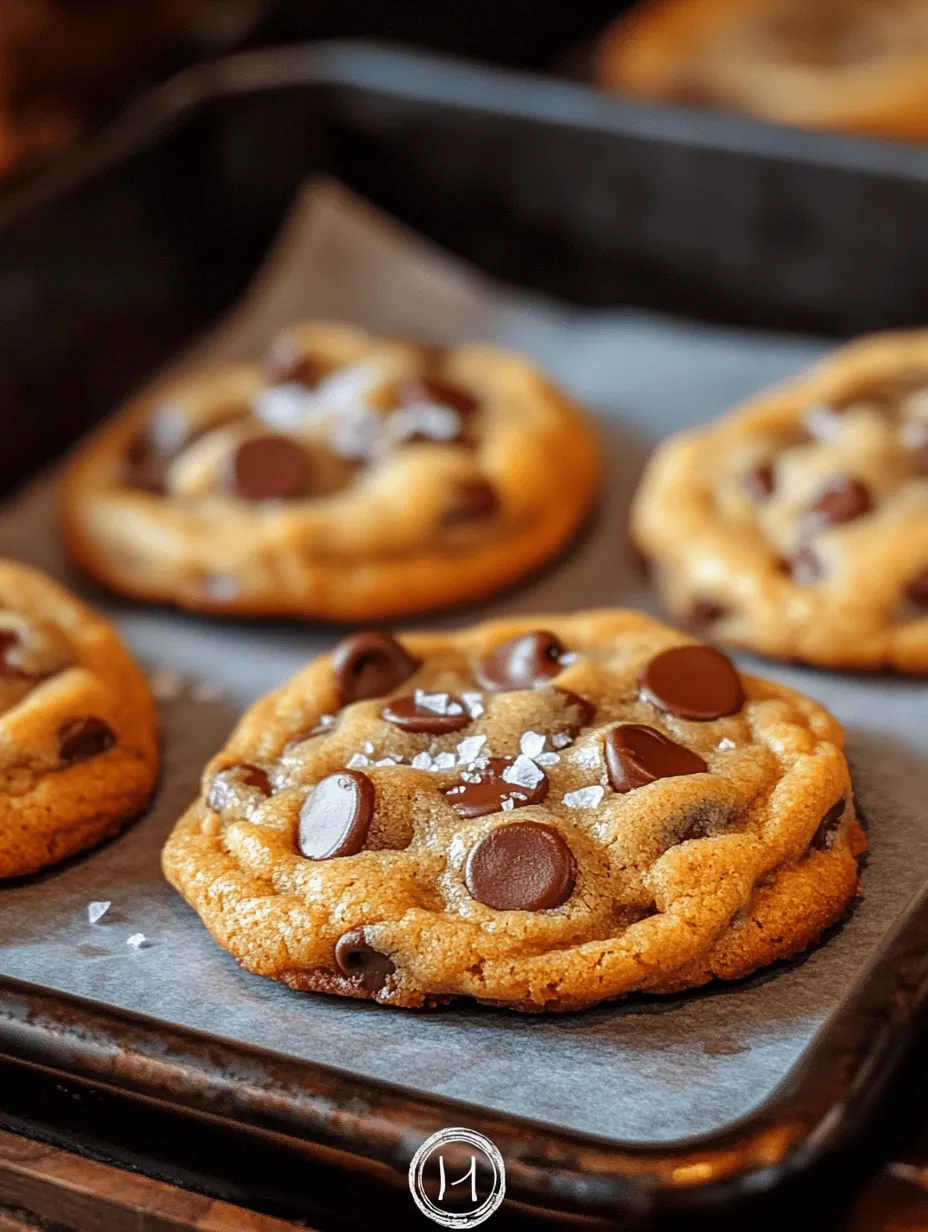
(457,1178)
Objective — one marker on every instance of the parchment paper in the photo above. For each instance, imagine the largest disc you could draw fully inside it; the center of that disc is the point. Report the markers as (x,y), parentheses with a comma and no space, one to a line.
(649,1070)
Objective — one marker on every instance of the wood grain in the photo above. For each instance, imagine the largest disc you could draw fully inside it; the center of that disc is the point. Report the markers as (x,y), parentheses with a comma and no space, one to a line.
(43,1187)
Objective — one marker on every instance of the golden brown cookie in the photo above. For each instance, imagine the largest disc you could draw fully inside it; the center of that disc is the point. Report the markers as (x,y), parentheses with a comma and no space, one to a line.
(78,727)
(857,66)
(349,477)
(539,813)
(797,525)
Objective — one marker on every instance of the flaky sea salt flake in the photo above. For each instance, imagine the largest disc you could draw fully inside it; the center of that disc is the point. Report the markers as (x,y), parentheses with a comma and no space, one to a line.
(474,704)
(96,911)
(546,759)
(532,743)
(357,761)
(584,797)
(443,761)
(469,748)
(138,941)
(508,805)
(523,773)
(560,740)
(436,702)
(421,761)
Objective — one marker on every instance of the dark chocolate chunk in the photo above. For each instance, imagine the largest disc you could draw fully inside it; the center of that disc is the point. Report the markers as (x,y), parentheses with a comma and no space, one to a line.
(829,826)
(522,662)
(336,816)
(637,755)
(409,715)
(370,665)
(917,589)
(81,739)
(703,612)
(693,682)
(525,866)
(759,482)
(359,961)
(268,468)
(488,793)
(243,775)
(470,501)
(841,500)
(9,641)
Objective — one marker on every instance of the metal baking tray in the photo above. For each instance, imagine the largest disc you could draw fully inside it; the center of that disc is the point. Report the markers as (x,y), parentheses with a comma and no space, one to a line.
(118,254)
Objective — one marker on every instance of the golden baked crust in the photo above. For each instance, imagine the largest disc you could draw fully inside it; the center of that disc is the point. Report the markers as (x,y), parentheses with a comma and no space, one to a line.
(637,885)
(797,525)
(78,726)
(407,504)
(858,66)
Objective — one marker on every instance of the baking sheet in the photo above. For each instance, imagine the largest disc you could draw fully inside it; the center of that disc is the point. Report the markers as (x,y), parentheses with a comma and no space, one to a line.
(650,1070)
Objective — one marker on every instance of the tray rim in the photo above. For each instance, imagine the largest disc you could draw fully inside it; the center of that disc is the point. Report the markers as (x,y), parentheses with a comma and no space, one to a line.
(821,1102)
(447,80)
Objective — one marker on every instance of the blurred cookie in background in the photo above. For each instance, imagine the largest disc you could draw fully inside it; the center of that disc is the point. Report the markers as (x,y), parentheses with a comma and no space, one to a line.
(797,525)
(858,66)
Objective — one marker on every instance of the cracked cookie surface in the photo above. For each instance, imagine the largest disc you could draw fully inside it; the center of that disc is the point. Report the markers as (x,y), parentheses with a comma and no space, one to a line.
(541,813)
(348,477)
(797,525)
(78,727)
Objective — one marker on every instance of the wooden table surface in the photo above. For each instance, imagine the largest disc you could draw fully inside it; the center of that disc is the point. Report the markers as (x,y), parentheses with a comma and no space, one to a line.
(43,1189)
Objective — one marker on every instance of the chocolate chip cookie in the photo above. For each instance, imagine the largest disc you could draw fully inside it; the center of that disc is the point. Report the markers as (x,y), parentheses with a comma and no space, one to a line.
(78,728)
(857,66)
(347,476)
(797,525)
(540,813)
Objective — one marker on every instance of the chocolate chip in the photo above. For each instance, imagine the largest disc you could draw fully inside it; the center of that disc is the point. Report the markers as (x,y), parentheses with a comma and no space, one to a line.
(581,711)
(637,755)
(144,468)
(411,390)
(336,816)
(369,665)
(805,568)
(470,501)
(223,786)
(488,793)
(409,715)
(703,612)
(9,641)
(693,682)
(267,468)
(759,482)
(829,826)
(361,962)
(81,739)
(525,866)
(917,589)
(841,500)
(521,662)
(285,364)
